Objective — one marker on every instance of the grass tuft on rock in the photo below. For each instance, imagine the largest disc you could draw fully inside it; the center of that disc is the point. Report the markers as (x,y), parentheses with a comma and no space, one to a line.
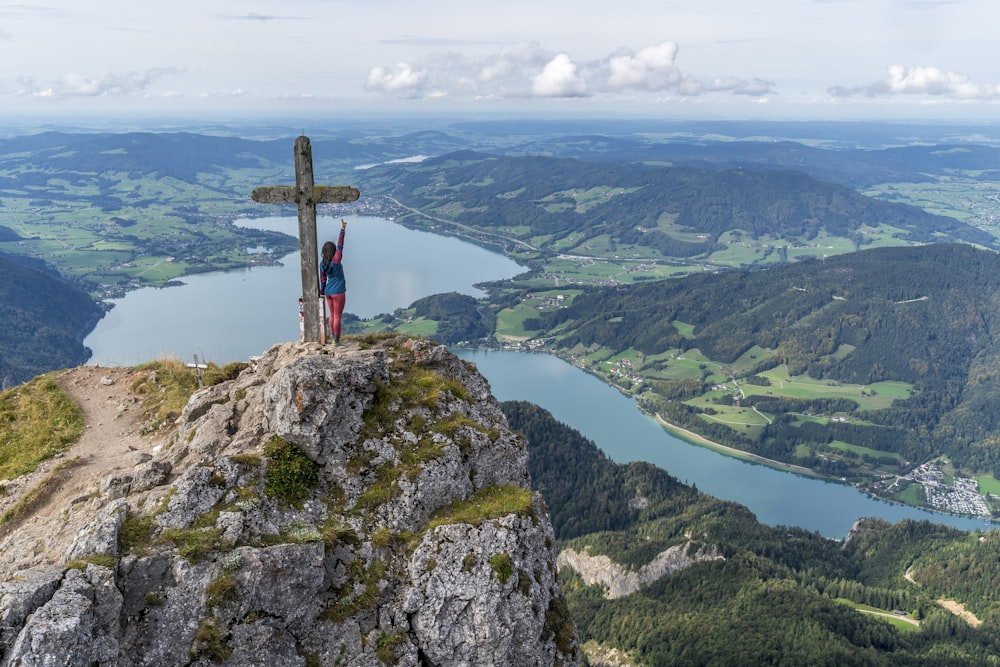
(492,502)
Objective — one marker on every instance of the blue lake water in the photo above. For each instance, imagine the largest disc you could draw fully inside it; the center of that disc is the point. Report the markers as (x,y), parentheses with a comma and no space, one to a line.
(613,421)
(234,315)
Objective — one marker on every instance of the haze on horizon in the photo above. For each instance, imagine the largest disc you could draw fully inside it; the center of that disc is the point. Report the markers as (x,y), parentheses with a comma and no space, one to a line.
(724,59)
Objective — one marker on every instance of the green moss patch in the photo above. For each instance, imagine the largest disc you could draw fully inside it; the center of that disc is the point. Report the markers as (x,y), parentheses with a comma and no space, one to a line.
(291,475)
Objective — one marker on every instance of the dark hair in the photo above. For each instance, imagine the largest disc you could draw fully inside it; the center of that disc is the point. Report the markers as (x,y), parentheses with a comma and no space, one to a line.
(328,250)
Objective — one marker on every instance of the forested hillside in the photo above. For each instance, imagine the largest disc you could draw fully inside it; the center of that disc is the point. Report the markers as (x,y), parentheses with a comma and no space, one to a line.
(676,211)
(926,316)
(780,596)
(43,320)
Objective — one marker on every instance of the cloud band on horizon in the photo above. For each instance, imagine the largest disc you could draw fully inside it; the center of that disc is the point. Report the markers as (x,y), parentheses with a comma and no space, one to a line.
(528,71)
(903,80)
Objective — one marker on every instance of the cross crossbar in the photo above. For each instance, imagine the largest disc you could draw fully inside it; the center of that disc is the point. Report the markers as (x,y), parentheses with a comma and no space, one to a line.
(288,194)
(306,195)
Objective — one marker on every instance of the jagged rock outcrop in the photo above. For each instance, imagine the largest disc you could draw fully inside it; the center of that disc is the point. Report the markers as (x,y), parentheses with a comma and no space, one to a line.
(360,505)
(621,581)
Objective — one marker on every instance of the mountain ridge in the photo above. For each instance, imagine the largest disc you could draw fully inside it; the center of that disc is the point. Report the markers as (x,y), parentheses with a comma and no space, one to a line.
(362,504)
(922,315)
(656,207)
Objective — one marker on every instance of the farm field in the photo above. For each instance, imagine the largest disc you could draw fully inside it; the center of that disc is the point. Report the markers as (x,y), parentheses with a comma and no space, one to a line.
(118,232)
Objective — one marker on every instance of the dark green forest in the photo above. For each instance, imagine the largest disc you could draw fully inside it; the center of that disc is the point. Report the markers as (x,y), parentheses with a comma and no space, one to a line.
(43,320)
(923,315)
(780,596)
(460,317)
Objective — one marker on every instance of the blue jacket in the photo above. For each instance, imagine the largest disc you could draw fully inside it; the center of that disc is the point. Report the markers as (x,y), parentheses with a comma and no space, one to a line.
(331,275)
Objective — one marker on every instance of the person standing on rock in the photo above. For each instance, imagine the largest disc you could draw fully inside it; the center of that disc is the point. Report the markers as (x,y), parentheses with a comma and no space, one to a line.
(333,286)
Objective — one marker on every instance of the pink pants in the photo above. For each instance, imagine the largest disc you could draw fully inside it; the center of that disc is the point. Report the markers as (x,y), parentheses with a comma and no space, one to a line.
(335,306)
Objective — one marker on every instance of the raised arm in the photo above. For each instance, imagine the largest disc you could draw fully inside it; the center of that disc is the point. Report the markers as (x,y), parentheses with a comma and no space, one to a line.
(340,242)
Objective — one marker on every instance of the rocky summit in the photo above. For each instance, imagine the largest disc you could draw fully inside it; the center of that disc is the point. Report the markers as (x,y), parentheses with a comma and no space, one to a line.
(356,505)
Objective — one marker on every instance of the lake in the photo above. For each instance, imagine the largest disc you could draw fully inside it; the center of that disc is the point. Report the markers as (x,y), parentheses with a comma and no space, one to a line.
(613,421)
(232,316)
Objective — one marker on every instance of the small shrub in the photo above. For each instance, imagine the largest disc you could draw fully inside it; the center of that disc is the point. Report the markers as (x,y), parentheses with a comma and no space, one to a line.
(383,489)
(249,504)
(523,583)
(347,604)
(450,425)
(502,566)
(411,387)
(290,473)
(334,530)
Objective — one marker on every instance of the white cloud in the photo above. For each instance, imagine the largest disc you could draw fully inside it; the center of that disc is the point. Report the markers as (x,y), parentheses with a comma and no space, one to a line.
(529,70)
(652,68)
(403,80)
(559,78)
(509,65)
(112,84)
(902,80)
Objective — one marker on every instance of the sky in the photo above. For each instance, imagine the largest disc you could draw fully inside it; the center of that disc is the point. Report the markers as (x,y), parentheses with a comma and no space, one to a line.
(690,59)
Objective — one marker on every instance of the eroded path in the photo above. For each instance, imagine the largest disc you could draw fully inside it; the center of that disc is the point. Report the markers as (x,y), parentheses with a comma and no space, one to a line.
(111,441)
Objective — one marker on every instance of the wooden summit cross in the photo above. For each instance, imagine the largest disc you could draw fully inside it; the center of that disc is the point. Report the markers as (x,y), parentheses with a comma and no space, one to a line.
(307,195)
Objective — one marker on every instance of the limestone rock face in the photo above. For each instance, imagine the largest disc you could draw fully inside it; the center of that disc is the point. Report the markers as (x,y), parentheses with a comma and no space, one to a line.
(358,505)
(620,581)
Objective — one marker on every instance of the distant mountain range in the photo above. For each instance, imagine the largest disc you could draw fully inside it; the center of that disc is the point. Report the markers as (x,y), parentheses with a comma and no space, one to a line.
(853,167)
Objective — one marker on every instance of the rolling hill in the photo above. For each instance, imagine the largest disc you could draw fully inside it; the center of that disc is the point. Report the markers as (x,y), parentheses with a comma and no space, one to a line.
(677,212)
(926,316)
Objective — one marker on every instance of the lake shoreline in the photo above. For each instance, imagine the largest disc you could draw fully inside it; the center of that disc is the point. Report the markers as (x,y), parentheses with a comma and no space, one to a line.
(700,440)
(695,439)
